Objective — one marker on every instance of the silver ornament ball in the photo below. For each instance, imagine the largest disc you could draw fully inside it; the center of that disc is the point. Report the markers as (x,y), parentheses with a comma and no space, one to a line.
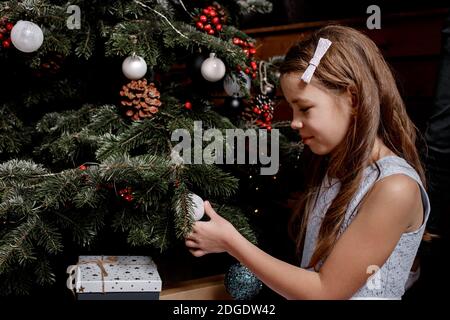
(134,67)
(213,69)
(198,210)
(27,36)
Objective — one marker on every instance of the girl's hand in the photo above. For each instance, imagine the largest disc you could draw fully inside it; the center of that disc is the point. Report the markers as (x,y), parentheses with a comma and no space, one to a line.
(210,236)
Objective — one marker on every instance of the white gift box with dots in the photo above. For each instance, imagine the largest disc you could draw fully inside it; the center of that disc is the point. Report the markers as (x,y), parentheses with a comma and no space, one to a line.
(124,274)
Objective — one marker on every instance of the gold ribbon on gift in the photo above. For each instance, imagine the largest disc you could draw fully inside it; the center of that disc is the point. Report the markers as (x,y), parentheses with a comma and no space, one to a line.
(73,271)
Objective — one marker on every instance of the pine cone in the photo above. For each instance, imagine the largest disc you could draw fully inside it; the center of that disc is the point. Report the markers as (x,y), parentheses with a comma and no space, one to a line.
(140,100)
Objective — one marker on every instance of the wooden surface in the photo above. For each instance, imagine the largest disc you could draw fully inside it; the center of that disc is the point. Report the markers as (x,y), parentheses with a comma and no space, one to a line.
(209,288)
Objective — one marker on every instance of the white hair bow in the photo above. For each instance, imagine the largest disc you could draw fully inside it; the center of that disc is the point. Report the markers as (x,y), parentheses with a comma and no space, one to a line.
(321,49)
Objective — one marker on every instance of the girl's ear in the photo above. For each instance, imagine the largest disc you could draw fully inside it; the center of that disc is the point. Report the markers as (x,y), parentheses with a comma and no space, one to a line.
(353,98)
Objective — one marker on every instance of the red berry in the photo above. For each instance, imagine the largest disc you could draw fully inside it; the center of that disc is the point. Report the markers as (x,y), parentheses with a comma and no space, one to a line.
(256,110)
(266,107)
(9,26)
(128,197)
(6,44)
(269,128)
(188,105)
(203,18)
(247,70)
(254,65)
(246,52)
(236,41)
(252,51)
(218,27)
(216,20)
(82,167)
(238,68)
(213,13)
(206,11)
(199,25)
(254,75)
(1,36)
(211,31)
(207,27)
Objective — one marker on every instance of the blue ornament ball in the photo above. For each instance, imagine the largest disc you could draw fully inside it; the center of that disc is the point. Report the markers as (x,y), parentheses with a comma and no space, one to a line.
(241,283)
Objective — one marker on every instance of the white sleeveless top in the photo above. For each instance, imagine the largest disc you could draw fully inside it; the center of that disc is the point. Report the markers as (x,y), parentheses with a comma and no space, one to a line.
(389,281)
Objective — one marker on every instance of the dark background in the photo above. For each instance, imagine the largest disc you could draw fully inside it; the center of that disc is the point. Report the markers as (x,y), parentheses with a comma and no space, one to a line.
(295,11)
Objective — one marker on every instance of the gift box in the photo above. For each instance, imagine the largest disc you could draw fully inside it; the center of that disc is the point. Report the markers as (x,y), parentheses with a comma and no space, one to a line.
(114,278)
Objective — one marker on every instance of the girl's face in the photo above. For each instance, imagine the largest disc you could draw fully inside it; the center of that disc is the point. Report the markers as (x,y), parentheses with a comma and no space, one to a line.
(322,118)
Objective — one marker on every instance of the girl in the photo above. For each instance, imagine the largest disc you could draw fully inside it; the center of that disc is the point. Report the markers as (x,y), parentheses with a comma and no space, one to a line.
(361,222)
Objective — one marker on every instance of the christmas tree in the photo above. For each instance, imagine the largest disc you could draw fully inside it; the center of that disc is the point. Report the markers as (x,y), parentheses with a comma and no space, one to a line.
(94,91)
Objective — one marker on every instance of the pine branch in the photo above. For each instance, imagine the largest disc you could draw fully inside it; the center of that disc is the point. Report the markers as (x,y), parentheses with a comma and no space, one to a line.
(88,197)
(122,167)
(212,180)
(183,207)
(15,246)
(67,148)
(14,171)
(58,189)
(150,229)
(70,121)
(107,119)
(225,50)
(82,224)
(146,133)
(47,236)
(252,6)
(43,271)
(48,92)
(212,119)
(13,134)
(13,202)
(86,47)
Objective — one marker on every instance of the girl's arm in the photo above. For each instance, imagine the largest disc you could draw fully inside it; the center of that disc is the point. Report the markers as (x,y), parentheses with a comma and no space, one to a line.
(366,244)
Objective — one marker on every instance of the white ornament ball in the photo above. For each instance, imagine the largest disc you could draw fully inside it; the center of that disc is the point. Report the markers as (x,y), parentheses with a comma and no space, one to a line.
(232,87)
(134,67)
(27,36)
(197,207)
(213,69)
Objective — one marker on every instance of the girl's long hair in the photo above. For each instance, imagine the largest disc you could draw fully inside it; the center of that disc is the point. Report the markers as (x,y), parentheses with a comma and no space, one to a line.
(353,63)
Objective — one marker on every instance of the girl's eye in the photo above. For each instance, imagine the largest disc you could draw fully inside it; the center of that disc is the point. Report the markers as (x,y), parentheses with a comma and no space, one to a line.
(305,109)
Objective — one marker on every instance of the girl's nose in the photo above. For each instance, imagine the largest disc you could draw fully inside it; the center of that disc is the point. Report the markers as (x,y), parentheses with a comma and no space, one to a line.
(296,124)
